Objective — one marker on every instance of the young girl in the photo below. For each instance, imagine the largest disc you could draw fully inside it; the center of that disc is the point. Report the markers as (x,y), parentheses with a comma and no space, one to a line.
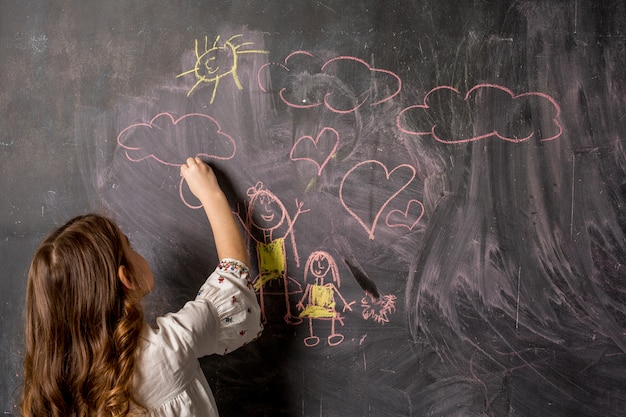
(88,352)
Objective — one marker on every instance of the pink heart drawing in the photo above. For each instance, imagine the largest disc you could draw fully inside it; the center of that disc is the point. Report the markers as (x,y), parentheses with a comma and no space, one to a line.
(316,150)
(407,218)
(388,185)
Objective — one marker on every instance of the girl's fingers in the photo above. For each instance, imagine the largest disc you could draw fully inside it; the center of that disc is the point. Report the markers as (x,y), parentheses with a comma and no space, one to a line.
(189,163)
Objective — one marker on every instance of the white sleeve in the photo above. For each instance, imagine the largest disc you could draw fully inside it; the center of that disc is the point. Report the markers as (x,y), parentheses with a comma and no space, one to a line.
(230,294)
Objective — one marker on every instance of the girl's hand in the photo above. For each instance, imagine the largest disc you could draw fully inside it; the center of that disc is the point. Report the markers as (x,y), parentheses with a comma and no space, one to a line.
(200,179)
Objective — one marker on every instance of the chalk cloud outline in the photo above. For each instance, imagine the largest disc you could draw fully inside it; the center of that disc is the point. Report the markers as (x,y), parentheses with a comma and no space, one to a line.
(304,56)
(127,134)
(424,106)
(174,122)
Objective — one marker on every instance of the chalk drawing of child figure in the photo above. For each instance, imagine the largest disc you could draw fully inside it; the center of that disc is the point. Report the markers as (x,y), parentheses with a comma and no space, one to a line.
(268,223)
(321,296)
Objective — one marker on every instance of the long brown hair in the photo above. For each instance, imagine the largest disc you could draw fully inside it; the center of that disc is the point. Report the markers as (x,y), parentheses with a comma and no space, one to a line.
(82,324)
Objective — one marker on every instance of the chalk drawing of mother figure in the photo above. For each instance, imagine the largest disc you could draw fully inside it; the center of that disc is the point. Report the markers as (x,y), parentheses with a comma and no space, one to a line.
(268,223)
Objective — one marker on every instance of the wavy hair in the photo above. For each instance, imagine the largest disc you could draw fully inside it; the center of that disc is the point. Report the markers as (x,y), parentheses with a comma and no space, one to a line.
(82,324)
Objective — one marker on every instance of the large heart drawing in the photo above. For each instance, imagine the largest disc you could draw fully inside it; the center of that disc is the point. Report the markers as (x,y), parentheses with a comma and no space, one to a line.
(388,185)
(316,150)
(407,218)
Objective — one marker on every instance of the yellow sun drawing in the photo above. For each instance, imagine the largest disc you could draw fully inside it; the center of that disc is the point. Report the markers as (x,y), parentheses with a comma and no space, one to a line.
(218,61)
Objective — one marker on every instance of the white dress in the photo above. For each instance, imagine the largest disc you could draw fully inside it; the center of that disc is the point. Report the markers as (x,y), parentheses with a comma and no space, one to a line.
(225,315)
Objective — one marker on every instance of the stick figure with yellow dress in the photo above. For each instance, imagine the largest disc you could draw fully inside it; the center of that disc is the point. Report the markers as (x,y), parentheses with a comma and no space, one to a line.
(320,296)
(265,221)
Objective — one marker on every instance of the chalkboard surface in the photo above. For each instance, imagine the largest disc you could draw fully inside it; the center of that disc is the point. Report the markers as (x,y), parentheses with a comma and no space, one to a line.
(458,167)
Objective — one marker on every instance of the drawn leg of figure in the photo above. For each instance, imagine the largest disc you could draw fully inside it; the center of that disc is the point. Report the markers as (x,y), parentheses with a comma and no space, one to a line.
(289,318)
(259,282)
(262,305)
(334,338)
(311,340)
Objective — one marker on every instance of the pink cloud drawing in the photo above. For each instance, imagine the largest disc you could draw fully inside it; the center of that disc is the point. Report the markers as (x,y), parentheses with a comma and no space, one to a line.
(408,218)
(486,110)
(384,185)
(319,150)
(170,141)
(343,84)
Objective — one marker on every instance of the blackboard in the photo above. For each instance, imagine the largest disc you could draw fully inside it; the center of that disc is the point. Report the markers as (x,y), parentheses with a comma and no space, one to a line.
(460,165)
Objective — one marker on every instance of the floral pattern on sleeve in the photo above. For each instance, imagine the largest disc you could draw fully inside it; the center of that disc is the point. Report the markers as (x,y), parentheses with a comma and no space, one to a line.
(231,292)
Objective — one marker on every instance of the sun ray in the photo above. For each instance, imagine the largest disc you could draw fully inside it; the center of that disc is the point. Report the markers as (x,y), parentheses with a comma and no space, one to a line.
(234,36)
(240,45)
(252,51)
(200,81)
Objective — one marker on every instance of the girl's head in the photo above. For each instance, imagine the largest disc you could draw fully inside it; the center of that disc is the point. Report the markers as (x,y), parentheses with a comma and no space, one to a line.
(83,318)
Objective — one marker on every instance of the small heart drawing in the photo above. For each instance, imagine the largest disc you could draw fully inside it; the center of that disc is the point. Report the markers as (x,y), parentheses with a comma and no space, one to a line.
(318,150)
(381,185)
(407,218)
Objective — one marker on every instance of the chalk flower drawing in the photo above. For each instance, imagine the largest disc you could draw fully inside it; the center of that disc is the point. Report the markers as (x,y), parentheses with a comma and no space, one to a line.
(378,309)
(486,110)
(218,60)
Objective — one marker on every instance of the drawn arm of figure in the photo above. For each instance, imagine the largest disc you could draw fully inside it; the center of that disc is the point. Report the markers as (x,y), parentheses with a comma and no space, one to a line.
(300,304)
(299,206)
(346,305)
(245,225)
(295,217)
(291,223)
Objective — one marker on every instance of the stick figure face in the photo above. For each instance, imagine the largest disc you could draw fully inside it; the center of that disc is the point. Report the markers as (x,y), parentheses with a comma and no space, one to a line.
(320,266)
(267,211)
(214,59)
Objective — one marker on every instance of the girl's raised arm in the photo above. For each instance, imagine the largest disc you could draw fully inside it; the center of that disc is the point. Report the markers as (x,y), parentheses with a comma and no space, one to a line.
(203,184)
